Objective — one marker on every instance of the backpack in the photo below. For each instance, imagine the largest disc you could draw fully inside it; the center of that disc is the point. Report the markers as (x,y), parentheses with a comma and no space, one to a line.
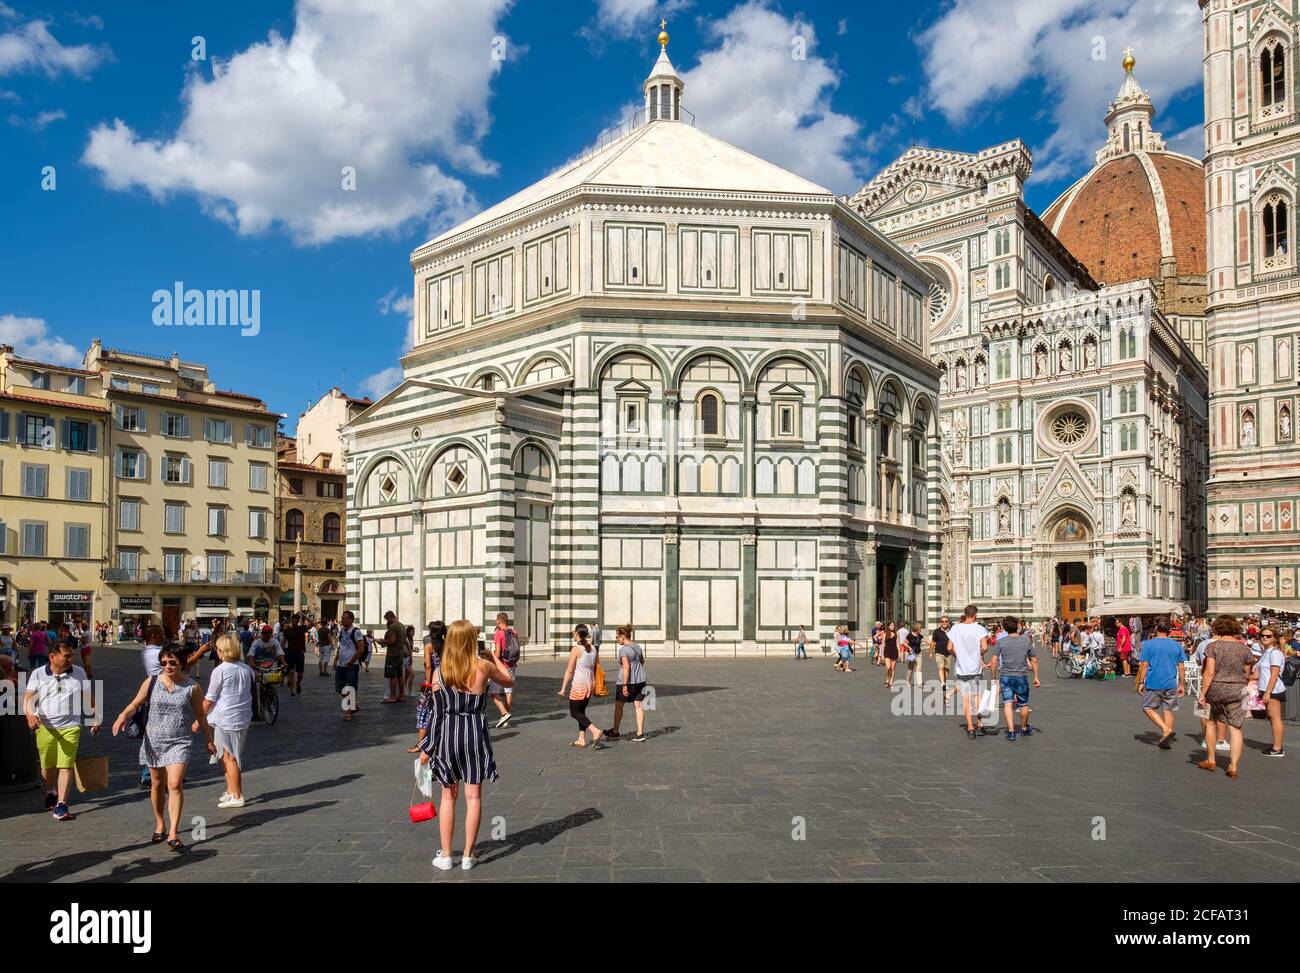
(1290,670)
(510,650)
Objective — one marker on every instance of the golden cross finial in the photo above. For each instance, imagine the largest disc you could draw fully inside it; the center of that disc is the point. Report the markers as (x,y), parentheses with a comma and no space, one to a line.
(663,32)
(662,23)
(1129,59)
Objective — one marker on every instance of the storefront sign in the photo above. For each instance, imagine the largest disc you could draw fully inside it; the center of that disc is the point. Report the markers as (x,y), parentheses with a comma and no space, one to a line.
(136,603)
(70,599)
(212,602)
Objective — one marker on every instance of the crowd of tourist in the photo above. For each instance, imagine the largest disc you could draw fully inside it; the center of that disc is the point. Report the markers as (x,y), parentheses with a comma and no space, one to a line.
(1234,671)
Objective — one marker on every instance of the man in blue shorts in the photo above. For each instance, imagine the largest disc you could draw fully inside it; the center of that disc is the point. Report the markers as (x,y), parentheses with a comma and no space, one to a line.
(1160,681)
(1014,659)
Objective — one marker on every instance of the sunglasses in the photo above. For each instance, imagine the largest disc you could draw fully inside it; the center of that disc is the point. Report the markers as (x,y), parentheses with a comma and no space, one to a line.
(169,662)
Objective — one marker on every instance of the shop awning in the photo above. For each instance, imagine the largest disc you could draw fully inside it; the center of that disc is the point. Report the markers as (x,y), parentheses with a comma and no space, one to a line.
(1126,607)
(204,612)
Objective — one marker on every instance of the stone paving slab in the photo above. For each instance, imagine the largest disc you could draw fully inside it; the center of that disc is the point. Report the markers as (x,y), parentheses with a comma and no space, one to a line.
(743,757)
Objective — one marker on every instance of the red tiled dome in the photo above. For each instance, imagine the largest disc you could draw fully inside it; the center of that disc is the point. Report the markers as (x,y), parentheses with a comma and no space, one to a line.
(1110,219)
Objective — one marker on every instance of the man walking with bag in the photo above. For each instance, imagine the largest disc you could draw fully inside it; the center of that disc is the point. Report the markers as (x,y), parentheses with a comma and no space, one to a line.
(53,705)
(506,648)
(969,641)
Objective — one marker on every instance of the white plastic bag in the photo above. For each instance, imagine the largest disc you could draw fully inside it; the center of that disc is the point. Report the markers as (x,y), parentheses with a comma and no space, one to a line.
(424,778)
(989,701)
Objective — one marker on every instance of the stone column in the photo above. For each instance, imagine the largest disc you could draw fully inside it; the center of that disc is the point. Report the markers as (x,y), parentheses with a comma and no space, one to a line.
(907,592)
(418,620)
(499,576)
(749,590)
(672,418)
(672,588)
(749,435)
(575,553)
(869,583)
(871,451)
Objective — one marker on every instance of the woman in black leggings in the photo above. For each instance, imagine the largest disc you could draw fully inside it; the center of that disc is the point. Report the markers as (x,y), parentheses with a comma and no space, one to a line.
(582,671)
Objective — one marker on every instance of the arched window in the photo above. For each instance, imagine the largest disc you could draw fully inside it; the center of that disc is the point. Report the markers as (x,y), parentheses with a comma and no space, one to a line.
(1272,74)
(293,525)
(1276,228)
(1126,142)
(1129,578)
(708,406)
(856,395)
(332,529)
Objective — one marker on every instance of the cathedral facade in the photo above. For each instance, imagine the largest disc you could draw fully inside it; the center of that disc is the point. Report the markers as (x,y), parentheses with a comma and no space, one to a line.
(1252,149)
(670,385)
(1072,400)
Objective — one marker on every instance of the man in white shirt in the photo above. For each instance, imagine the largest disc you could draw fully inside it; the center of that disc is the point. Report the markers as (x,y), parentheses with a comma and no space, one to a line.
(1093,640)
(54,707)
(969,640)
(352,644)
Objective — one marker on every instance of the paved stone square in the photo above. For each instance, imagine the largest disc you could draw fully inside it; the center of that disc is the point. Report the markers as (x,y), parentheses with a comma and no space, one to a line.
(739,752)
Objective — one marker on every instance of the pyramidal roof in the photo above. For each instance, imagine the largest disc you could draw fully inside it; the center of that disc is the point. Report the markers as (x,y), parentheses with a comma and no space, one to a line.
(664,155)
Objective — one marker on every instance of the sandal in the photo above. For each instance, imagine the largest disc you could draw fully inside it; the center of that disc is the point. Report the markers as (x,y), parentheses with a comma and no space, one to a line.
(575,743)
(157,836)
(175,844)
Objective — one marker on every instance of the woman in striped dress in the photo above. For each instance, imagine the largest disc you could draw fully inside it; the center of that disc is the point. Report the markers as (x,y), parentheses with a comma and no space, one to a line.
(457,741)
(582,670)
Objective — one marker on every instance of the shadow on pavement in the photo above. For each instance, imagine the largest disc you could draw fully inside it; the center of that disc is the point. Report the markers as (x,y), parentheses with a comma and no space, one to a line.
(53,869)
(540,834)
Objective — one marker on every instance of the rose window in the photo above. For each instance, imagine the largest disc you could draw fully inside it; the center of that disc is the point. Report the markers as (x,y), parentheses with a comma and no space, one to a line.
(1069,428)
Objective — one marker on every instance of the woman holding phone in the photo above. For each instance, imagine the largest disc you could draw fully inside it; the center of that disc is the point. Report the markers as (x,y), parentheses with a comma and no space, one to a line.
(457,743)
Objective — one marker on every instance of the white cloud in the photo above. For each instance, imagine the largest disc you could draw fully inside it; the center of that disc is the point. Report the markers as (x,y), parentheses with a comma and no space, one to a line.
(30,47)
(40,122)
(627,17)
(394,303)
(30,338)
(751,91)
(1190,141)
(378,385)
(383,87)
(982,50)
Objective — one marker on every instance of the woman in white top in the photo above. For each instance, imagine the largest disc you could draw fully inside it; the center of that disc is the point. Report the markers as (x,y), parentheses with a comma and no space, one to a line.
(229,706)
(583,659)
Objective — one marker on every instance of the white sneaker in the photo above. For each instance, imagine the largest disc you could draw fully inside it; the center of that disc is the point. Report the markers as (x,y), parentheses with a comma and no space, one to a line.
(503,721)
(442,862)
(1223,745)
(229,802)
(468,863)
(224,797)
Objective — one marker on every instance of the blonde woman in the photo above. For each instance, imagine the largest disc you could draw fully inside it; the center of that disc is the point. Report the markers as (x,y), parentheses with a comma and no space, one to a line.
(582,671)
(229,707)
(457,740)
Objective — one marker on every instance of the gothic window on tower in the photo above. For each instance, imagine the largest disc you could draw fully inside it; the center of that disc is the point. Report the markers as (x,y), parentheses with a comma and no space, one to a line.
(1275,232)
(1272,77)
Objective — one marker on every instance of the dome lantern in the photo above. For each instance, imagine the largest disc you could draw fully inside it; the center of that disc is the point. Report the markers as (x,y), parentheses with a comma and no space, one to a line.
(663,89)
(1128,119)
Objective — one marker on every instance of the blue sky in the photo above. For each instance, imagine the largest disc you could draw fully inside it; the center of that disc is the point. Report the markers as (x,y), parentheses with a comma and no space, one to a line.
(227,171)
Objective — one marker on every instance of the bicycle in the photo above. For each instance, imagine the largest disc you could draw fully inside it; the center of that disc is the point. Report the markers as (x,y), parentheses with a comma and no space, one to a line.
(266,700)
(1082,665)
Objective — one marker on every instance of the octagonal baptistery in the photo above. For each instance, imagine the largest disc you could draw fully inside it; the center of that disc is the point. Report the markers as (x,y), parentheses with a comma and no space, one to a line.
(670,385)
